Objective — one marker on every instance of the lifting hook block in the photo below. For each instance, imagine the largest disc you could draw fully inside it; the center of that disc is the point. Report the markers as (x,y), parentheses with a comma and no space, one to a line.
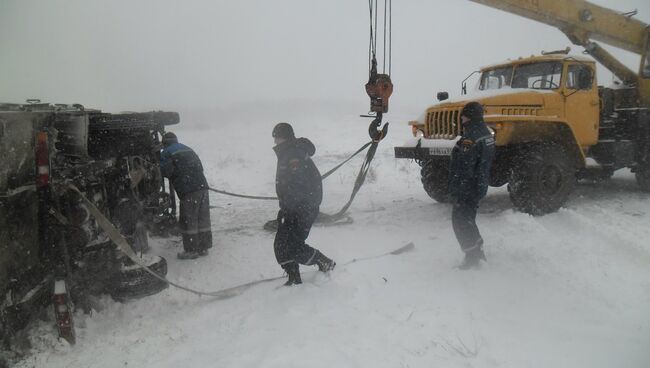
(373,130)
(379,88)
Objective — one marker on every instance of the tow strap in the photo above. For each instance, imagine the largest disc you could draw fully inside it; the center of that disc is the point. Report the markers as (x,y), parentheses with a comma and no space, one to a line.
(330,172)
(123,245)
(361,177)
(376,135)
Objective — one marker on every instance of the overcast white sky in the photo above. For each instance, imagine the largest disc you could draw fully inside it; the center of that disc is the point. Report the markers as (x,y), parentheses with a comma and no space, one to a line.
(138,55)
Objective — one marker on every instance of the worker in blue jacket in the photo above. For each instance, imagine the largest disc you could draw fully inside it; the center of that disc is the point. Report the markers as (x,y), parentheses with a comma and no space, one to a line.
(183,167)
(299,187)
(469,176)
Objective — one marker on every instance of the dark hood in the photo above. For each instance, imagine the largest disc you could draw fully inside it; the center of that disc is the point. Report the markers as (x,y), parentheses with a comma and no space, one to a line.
(305,145)
(302,144)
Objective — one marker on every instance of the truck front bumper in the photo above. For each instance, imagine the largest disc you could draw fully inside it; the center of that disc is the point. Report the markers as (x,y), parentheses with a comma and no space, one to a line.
(426,149)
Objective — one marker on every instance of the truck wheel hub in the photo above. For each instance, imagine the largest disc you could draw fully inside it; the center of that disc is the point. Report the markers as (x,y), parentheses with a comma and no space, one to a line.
(551,179)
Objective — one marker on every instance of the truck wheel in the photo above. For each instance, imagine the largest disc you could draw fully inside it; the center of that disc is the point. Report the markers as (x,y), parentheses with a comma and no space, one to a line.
(132,281)
(435,177)
(542,179)
(643,179)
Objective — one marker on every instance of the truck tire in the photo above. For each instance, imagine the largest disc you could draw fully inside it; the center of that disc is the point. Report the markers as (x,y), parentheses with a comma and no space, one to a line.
(435,179)
(643,179)
(542,178)
(133,281)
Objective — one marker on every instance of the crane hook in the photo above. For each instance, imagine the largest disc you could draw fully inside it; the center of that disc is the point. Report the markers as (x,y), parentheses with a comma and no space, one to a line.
(373,130)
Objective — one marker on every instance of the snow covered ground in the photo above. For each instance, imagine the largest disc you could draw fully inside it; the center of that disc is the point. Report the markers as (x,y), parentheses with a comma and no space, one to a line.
(570,289)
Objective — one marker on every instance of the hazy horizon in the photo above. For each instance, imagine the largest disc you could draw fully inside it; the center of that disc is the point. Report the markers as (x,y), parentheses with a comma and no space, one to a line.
(218,55)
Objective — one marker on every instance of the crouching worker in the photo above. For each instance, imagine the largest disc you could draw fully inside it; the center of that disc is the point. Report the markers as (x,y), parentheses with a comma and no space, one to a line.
(183,168)
(299,188)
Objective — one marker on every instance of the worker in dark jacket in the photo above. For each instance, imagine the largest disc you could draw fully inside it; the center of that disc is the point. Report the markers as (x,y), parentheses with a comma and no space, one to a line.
(299,188)
(183,167)
(469,177)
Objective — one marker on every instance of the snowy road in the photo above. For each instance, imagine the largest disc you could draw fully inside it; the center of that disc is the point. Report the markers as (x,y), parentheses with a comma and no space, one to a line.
(570,289)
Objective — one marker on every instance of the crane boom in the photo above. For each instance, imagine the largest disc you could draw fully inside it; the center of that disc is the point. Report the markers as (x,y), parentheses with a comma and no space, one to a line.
(580,18)
(584,22)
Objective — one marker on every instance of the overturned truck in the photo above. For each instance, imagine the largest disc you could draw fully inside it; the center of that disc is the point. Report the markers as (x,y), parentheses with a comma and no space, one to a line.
(52,250)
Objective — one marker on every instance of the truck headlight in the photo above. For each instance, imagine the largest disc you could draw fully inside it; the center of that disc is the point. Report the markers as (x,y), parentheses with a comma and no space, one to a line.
(417,132)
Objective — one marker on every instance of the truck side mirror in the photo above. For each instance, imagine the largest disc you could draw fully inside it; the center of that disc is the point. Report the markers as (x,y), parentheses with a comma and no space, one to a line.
(585,79)
(442,96)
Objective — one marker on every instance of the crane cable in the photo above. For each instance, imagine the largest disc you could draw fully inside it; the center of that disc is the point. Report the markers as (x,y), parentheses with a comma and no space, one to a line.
(387,29)
(376,134)
(379,87)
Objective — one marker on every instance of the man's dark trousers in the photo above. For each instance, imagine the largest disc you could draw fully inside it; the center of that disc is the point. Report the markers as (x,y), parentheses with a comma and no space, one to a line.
(293,230)
(194,220)
(463,219)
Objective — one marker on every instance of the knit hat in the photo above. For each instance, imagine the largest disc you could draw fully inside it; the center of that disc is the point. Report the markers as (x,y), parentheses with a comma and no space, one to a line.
(473,110)
(283,130)
(169,138)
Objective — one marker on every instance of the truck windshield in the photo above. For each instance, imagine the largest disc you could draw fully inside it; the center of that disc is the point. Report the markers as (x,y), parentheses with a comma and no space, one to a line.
(495,78)
(546,75)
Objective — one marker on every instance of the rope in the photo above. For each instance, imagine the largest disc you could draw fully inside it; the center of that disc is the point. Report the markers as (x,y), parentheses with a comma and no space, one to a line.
(361,177)
(390,36)
(371,48)
(373,7)
(241,195)
(124,246)
(324,176)
(376,18)
(385,16)
(346,160)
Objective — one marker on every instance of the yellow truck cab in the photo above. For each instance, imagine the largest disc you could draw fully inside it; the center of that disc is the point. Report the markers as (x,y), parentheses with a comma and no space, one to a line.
(548,116)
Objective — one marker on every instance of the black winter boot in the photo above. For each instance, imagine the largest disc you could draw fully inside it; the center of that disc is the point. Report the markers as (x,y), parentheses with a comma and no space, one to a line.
(324,264)
(293,271)
(473,258)
(188,254)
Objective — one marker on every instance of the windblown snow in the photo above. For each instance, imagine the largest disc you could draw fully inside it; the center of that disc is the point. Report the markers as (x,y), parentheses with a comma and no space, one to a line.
(569,289)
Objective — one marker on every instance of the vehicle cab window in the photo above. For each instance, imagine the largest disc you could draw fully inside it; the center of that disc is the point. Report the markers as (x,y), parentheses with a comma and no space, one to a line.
(544,75)
(579,77)
(496,78)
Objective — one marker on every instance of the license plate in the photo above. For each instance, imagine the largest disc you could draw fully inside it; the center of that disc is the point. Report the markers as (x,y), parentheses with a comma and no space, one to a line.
(440,151)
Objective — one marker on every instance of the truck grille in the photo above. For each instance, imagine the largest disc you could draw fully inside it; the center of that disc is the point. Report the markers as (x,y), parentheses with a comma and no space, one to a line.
(520,111)
(444,124)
